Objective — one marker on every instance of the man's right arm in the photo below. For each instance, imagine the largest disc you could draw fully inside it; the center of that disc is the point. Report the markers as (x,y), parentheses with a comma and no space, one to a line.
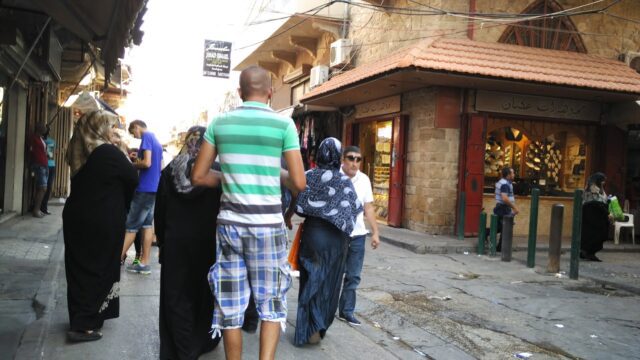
(201,174)
(296,180)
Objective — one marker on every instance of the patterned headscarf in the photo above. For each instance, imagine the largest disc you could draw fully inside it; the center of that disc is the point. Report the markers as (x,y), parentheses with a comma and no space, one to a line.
(92,130)
(181,164)
(330,195)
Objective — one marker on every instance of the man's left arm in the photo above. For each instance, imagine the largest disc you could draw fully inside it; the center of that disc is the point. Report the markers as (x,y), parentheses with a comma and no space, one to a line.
(370,214)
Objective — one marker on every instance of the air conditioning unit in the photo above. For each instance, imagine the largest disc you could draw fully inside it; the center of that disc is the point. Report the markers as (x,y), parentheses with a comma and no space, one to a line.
(631,58)
(340,53)
(319,74)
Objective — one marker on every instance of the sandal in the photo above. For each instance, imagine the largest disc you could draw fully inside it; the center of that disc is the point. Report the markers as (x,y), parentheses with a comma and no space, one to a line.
(80,336)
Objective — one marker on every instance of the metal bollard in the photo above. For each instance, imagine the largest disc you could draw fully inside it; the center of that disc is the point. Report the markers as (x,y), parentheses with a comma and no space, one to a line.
(533,228)
(482,232)
(576,234)
(555,238)
(493,234)
(461,215)
(507,237)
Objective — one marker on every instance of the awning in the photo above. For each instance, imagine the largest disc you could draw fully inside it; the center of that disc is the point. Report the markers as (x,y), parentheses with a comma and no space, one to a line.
(483,65)
(110,25)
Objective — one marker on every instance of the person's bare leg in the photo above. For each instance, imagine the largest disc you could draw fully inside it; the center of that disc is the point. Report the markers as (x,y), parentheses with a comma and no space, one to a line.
(37,202)
(232,344)
(269,336)
(129,237)
(147,238)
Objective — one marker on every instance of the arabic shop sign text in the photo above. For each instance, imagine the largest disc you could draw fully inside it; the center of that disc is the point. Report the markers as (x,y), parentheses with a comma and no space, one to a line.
(217,58)
(539,106)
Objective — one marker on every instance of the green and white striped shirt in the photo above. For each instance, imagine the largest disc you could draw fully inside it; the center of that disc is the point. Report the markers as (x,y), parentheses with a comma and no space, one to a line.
(250,141)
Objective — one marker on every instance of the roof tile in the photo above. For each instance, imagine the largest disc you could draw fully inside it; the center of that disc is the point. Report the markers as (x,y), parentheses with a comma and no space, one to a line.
(497,60)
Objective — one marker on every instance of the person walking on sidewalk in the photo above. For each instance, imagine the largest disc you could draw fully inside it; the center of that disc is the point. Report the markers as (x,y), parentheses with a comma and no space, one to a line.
(50,147)
(149,161)
(505,200)
(595,217)
(330,207)
(351,160)
(102,185)
(251,251)
(39,166)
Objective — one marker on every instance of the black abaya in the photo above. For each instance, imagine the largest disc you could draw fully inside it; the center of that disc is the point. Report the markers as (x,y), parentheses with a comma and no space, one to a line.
(595,226)
(93,226)
(185,226)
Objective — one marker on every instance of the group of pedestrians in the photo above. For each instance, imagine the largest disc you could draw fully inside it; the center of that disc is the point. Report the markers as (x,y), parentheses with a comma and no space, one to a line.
(217,209)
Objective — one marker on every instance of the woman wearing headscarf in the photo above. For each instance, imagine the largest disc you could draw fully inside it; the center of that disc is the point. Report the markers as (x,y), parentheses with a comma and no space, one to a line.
(595,217)
(330,207)
(102,184)
(184,219)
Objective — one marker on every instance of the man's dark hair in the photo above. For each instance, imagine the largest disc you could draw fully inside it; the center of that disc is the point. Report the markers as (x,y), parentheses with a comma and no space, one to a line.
(351,148)
(506,171)
(135,123)
(254,80)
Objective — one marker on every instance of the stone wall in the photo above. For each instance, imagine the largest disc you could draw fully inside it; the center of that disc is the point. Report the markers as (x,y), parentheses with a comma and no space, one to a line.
(376,34)
(431,167)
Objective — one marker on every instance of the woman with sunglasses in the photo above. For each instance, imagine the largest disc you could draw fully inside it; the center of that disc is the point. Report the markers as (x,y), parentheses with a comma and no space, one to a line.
(330,207)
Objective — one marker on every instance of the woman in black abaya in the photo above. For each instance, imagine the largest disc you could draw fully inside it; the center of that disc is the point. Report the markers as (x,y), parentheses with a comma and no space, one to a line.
(185,218)
(102,184)
(595,217)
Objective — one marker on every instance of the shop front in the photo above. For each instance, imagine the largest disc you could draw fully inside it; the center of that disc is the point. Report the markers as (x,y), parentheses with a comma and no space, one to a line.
(550,142)
(378,130)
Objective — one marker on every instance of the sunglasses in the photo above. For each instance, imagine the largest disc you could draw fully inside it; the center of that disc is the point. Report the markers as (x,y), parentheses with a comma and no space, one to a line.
(354,158)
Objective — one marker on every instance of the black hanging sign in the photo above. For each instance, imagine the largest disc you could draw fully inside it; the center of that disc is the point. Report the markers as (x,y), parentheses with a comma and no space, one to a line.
(217,59)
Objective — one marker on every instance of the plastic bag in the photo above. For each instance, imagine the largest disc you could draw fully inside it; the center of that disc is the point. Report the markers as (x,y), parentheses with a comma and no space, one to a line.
(295,247)
(615,209)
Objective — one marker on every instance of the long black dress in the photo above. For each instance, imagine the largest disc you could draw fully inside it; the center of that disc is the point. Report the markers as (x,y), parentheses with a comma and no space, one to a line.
(185,226)
(595,226)
(93,226)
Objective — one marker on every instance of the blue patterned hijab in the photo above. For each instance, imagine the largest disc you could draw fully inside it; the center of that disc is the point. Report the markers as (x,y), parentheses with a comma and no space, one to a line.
(330,195)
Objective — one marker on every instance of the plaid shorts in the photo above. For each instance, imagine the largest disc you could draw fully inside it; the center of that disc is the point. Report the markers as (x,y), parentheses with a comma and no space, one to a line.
(249,259)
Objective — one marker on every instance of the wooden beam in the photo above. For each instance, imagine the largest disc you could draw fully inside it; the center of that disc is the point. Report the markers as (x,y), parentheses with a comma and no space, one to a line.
(272,67)
(287,56)
(308,44)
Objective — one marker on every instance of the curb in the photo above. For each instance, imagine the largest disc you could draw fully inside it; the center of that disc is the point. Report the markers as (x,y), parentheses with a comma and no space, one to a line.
(44,304)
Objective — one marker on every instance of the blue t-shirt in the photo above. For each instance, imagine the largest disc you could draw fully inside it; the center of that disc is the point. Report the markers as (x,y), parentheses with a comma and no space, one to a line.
(503,186)
(150,177)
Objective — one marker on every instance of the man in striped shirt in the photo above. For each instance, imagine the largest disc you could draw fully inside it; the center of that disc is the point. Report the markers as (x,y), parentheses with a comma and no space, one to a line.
(251,237)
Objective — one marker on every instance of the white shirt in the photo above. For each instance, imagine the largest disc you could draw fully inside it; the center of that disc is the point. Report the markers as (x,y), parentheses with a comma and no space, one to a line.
(362,184)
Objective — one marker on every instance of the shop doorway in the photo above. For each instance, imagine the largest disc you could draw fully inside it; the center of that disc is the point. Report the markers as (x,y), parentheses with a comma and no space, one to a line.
(382,144)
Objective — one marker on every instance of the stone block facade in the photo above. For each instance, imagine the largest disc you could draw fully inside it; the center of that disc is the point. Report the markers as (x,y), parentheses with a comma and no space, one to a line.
(431,166)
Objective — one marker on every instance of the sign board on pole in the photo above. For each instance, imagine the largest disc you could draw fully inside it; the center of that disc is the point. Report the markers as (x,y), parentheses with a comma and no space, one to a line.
(217,58)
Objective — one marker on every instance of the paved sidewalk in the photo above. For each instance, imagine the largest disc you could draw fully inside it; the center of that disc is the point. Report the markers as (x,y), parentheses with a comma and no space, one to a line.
(26,246)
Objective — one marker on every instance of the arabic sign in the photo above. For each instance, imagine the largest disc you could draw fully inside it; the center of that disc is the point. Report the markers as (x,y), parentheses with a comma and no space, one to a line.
(384,106)
(540,106)
(217,59)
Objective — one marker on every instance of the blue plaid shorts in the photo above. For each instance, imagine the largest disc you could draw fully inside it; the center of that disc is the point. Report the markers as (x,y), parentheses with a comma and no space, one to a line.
(249,259)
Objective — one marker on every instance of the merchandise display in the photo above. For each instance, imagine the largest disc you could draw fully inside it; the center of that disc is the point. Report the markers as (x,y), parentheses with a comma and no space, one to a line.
(382,170)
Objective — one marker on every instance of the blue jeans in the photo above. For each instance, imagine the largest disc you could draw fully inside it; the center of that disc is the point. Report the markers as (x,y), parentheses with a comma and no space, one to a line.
(355,258)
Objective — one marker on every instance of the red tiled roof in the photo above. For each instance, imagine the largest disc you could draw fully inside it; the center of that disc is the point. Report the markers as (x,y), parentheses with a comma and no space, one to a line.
(497,60)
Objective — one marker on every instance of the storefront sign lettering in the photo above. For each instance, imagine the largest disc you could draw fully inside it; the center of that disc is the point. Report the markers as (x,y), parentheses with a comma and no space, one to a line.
(540,106)
(384,106)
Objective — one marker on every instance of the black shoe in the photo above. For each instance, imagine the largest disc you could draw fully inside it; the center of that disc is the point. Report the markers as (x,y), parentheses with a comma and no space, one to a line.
(593,257)
(80,336)
(46,212)
(584,255)
(349,319)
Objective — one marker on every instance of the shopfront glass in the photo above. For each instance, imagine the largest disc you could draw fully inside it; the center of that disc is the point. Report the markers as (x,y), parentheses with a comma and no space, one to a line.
(556,163)
(374,140)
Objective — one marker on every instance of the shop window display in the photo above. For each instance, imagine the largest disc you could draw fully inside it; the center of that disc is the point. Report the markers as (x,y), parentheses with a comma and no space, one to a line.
(555,164)
(382,169)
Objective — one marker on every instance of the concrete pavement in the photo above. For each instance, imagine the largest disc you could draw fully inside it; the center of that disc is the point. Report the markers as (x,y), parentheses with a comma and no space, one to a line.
(433,306)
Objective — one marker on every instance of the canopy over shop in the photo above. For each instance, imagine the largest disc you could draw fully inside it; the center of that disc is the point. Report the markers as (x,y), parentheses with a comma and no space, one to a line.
(547,113)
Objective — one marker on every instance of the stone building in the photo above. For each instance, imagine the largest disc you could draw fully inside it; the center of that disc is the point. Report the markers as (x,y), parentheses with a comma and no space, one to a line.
(440,95)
